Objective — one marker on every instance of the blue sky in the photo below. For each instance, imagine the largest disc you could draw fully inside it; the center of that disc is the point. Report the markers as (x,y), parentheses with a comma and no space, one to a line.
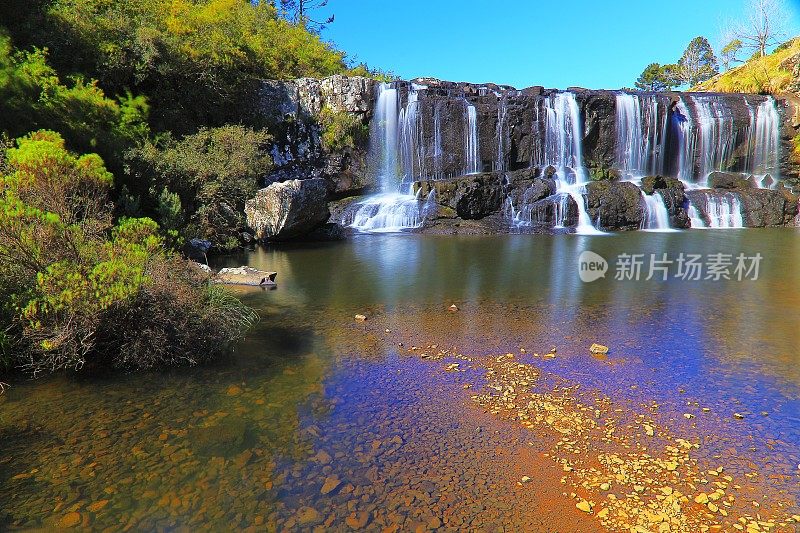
(555,43)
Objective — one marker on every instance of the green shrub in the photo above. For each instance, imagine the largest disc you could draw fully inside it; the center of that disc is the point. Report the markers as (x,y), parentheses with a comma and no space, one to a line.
(34,97)
(341,130)
(213,173)
(78,290)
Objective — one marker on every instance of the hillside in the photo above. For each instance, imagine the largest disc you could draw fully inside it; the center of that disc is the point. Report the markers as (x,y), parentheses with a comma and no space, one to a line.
(775,73)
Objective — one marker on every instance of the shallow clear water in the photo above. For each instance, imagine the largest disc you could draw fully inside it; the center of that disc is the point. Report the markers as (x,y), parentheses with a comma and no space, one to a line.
(312,395)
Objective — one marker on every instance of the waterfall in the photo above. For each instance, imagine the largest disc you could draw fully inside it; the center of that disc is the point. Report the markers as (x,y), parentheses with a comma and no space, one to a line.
(500,160)
(472,150)
(716,133)
(641,135)
(562,148)
(396,157)
(438,152)
(411,137)
(383,138)
(694,217)
(766,145)
(656,215)
(686,141)
(630,140)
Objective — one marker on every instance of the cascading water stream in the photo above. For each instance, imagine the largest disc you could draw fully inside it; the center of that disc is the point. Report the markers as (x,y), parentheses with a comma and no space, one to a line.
(396,157)
(641,135)
(562,149)
(656,215)
(766,146)
(472,164)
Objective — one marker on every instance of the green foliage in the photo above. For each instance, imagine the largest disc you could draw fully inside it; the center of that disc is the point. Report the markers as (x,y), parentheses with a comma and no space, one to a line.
(698,62)
(197,61)
(210,175)
(34,97)
(656,77)
(67,274)
(762,75)
(341,130)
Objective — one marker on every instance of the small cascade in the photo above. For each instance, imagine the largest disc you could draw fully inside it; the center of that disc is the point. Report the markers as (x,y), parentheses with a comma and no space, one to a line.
(561,147)
(724,211)
(502,130)
(396,156)
(656,215)
(709,209)
(694,217)
(472,150)
(392,212)
(766,145)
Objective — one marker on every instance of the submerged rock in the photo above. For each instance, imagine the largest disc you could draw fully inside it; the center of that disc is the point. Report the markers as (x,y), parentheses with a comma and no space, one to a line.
(288,210)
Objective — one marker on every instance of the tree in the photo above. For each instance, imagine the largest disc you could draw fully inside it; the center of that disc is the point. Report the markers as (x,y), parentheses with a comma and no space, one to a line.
(298,12)
(763,25)
(729,52)
(656,77)
(698,62)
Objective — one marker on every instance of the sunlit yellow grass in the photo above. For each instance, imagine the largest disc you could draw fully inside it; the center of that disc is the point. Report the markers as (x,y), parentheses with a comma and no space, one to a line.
(757,75)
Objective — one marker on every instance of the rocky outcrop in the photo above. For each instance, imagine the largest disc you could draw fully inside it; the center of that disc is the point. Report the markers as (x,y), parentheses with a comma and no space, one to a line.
(768,208)
(288,210)
(673,193)
(617,205)
(472,197)
(293,109)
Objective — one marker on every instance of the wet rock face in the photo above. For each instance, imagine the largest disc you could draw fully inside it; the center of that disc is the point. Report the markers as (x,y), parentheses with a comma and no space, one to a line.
(618,205)
(766,208)
(673,193)
(473,197)
(288,210)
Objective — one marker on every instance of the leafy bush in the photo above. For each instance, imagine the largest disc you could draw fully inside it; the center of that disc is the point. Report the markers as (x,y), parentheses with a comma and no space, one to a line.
(34,97)
(213,173)
(341,130)
(77,290)
(198,61)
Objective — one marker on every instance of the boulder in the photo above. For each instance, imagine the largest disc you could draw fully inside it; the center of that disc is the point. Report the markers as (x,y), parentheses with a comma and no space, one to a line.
(652,183)
(472,196)
(730,180)
(618,205)
(288,210)
(767,208)
(245,276)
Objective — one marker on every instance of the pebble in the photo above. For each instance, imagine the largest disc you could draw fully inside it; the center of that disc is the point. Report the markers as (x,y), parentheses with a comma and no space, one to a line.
(330,485)
(584,506)
(70,520)
(360,318)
